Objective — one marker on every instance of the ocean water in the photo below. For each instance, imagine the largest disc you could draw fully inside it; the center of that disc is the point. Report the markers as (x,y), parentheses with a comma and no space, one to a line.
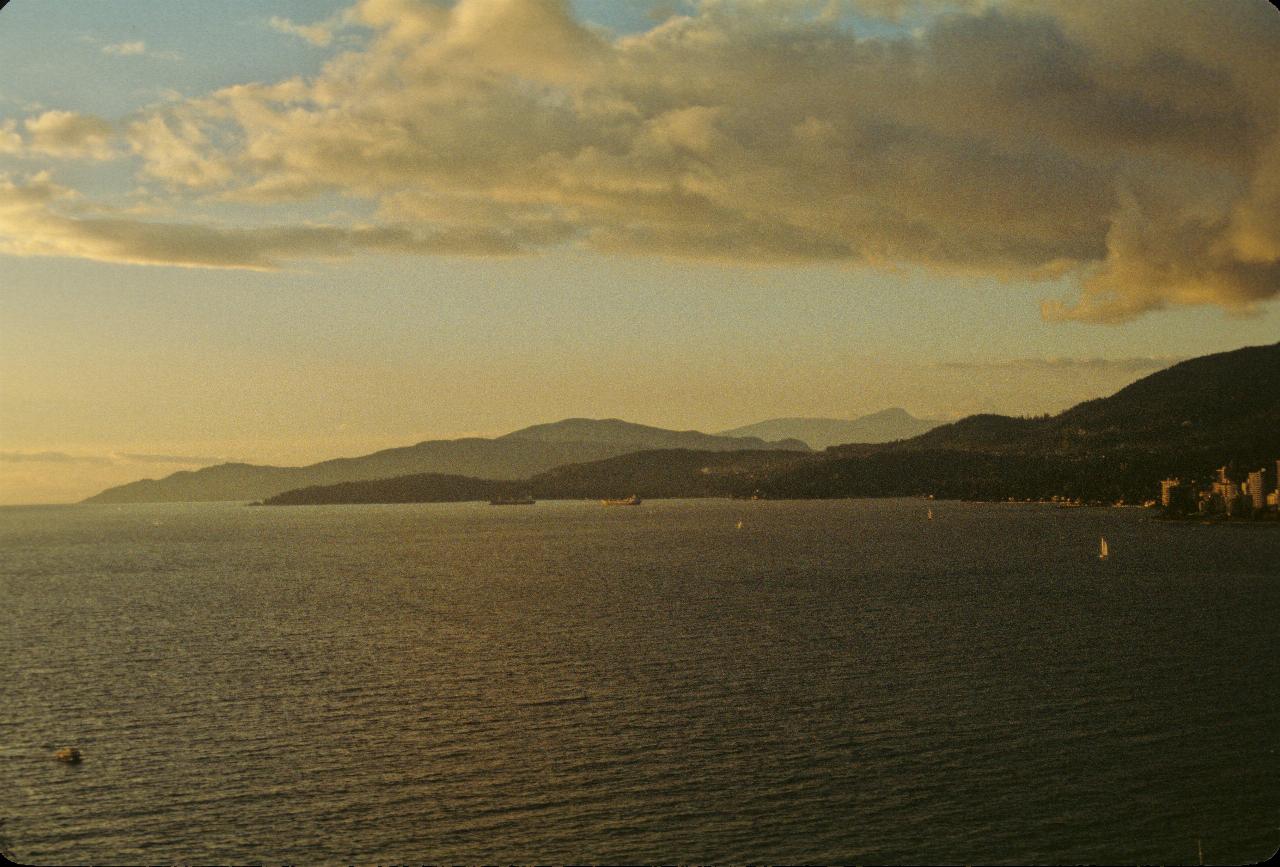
(840,681)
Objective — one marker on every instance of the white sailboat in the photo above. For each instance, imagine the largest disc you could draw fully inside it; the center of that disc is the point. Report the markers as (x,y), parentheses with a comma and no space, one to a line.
(1104,550)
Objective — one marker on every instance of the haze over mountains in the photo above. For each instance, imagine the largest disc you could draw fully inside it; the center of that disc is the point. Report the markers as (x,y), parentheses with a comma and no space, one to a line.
(1184,420)
(878,427)
(516,455)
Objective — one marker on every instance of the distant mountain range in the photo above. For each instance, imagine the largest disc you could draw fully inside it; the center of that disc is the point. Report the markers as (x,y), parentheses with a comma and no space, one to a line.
(628,437)
(819,433)
(516,455)
(1227,402)
(1184,420)
(1181,421)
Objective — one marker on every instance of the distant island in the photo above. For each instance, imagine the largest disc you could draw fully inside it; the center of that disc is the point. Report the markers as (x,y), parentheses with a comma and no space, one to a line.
(1220,410)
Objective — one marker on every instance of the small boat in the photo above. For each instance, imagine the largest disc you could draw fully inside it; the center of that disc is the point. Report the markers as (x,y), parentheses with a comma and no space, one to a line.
(526,500)
(1104,550)
(632,500)
(931,514)
(739,525)
(70,755)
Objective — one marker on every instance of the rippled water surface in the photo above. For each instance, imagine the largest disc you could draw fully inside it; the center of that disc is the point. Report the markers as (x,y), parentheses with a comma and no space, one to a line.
(833,682)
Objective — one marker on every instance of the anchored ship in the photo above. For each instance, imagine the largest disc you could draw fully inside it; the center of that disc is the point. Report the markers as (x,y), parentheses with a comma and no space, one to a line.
(512,501)
(632,500)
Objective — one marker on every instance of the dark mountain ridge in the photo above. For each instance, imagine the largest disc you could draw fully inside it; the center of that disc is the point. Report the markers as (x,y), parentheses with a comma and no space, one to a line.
(1184,421)
(1226,401)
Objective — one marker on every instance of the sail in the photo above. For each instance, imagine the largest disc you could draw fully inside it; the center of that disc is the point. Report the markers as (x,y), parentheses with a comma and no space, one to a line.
(1103,548)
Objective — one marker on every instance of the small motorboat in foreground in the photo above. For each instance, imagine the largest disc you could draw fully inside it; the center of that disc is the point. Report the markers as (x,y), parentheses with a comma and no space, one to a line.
(70,755)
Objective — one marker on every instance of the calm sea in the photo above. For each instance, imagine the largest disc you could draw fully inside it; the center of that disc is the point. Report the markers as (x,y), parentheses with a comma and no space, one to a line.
(831,682)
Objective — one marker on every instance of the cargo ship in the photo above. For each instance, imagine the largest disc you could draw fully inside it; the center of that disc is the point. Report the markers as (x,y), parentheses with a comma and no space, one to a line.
(512,501)
(632,500)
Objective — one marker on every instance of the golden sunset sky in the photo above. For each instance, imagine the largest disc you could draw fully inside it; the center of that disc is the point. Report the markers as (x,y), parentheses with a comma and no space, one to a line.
(281,231)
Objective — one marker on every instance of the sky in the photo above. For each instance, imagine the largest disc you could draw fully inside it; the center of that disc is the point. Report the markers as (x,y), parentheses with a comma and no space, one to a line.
(280,231)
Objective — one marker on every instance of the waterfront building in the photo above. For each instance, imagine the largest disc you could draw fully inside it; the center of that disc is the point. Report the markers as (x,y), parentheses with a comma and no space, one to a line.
(1225,495)
(1255,497)
(1257,493)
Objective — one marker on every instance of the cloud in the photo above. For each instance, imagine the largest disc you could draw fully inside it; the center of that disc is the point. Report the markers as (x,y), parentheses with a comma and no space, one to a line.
(51,458)
(1091,365)
(138,49)
(319,35)
(125,49)
(169,459)
(10,141)
(69,134)
(1136,150)
(38,218)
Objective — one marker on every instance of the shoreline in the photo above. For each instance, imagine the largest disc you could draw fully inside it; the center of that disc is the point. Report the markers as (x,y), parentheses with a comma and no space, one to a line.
(1217,521)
